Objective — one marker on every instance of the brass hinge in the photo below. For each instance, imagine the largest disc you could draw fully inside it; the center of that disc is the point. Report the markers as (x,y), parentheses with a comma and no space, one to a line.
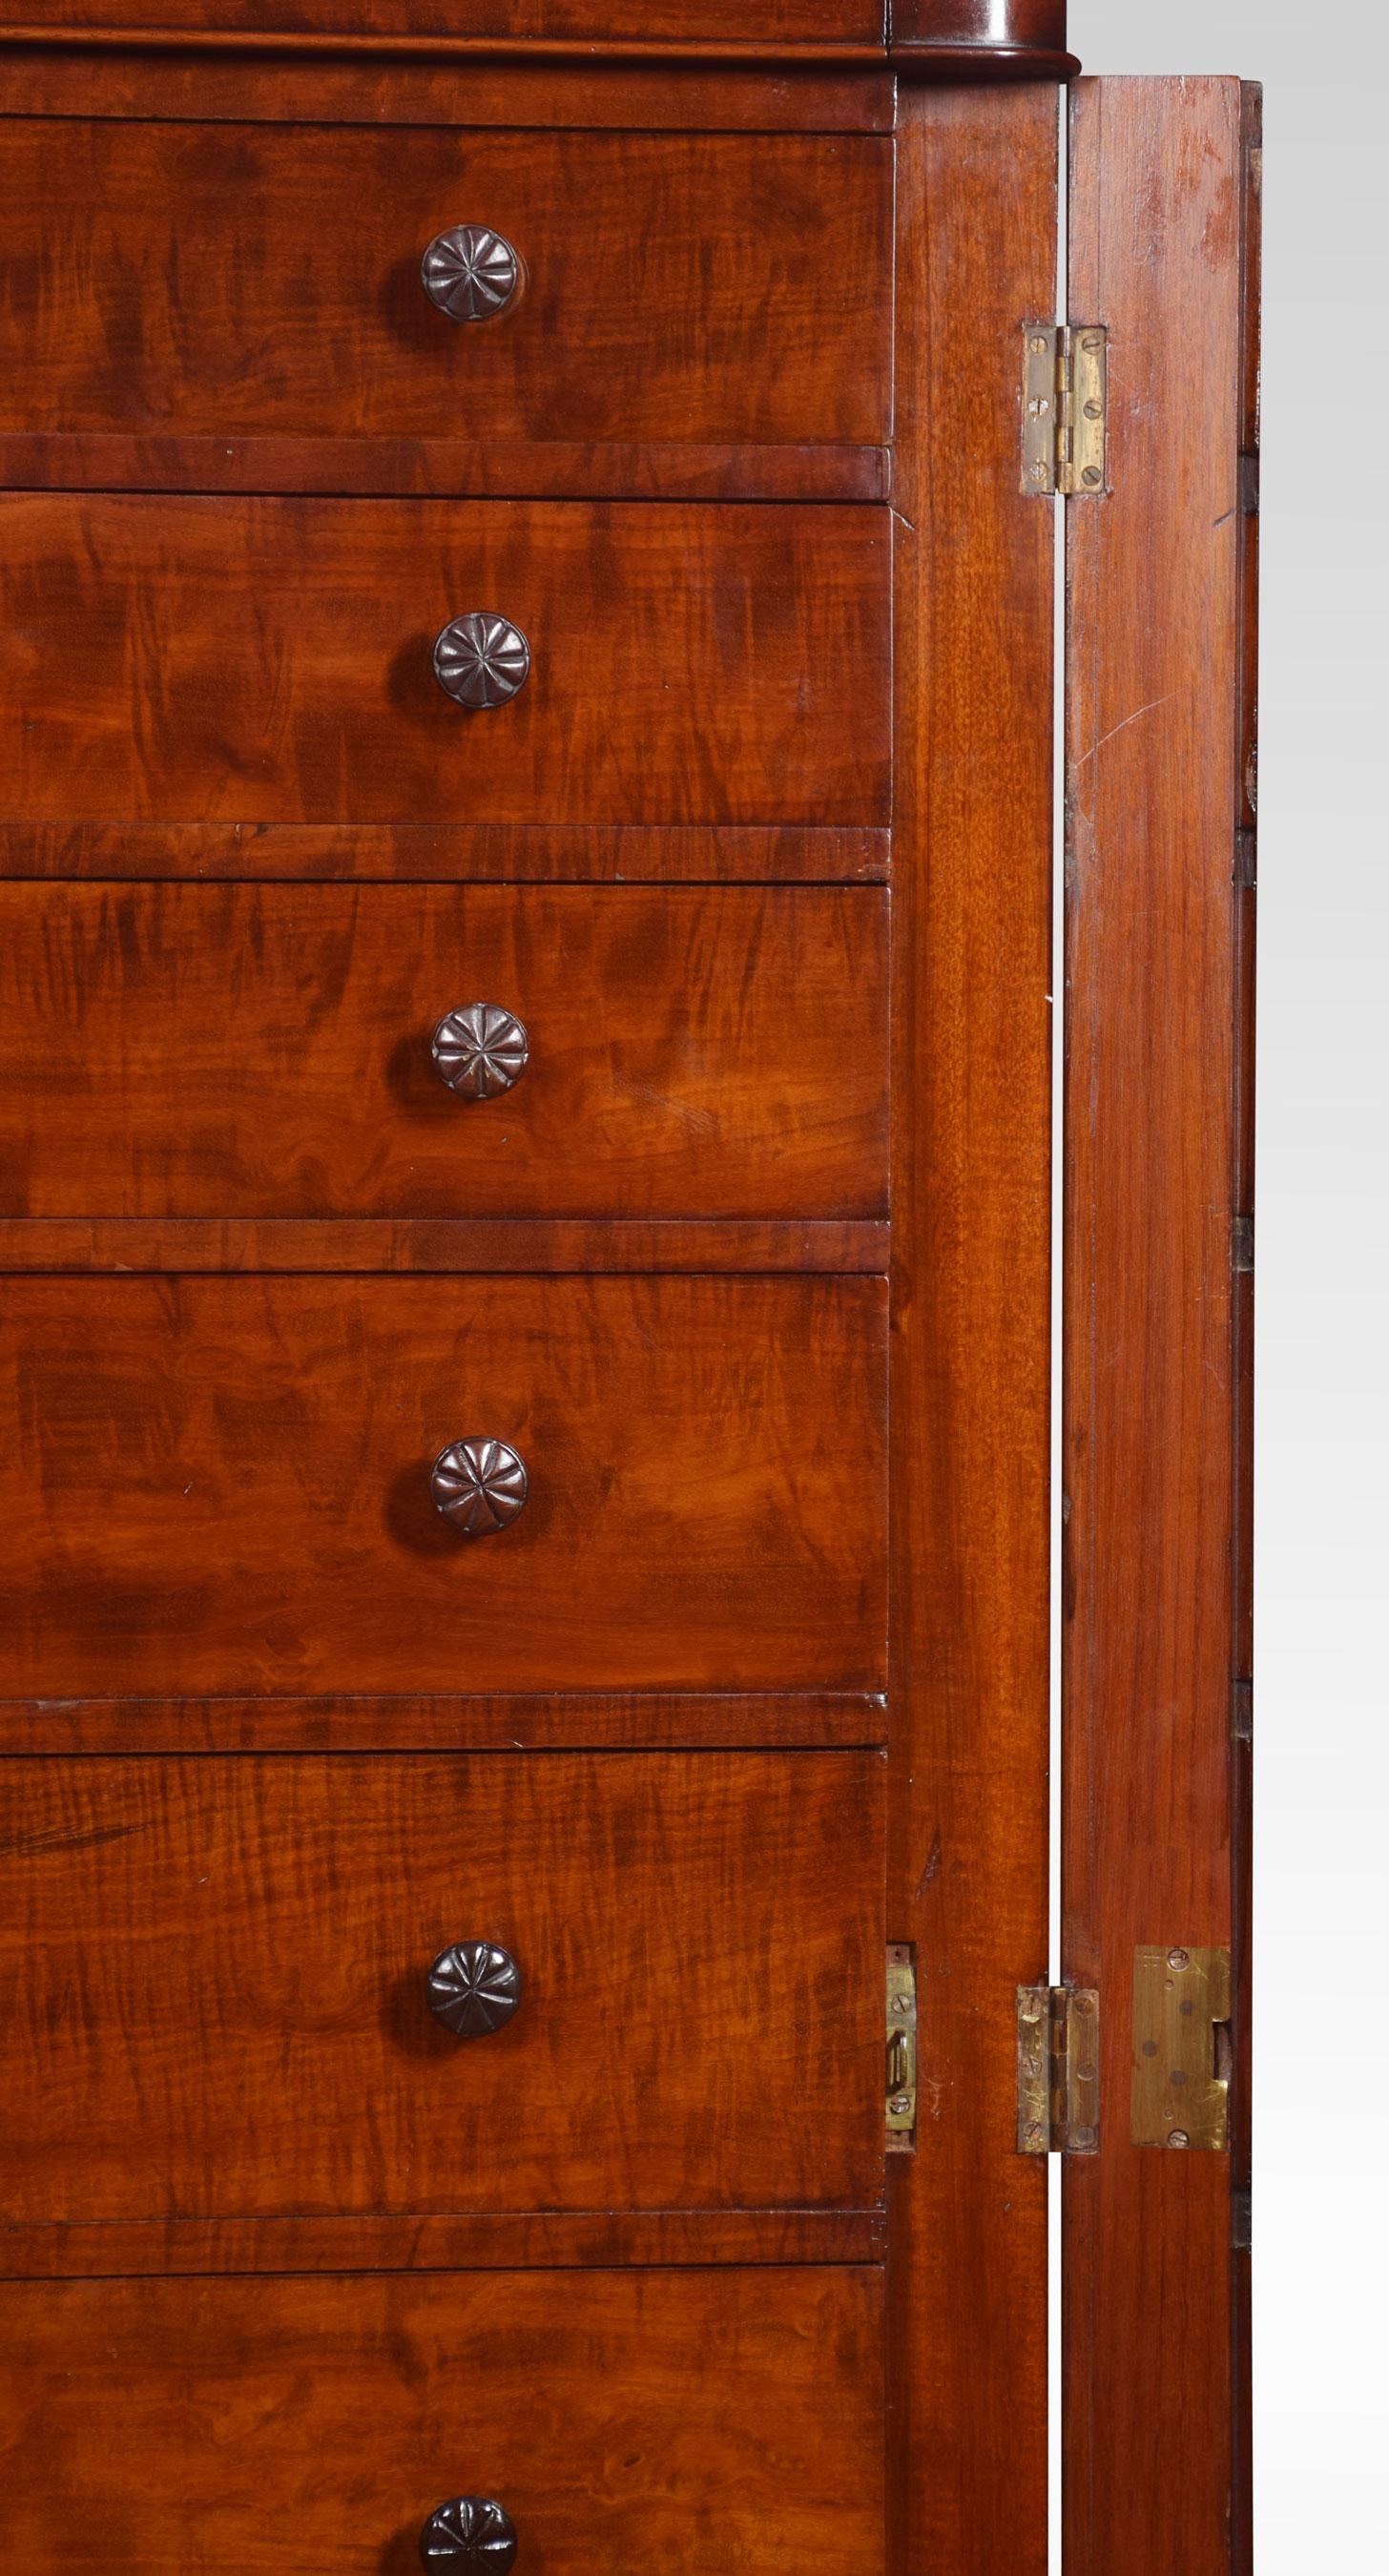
(1065,409)
(901,2049)
(1058,2071)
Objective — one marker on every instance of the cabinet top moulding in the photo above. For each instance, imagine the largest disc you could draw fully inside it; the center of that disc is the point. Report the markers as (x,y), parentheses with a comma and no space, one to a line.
(920,39)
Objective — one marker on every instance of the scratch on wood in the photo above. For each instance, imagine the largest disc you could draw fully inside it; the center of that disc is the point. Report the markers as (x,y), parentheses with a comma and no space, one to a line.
(932,1867)
(1123,728)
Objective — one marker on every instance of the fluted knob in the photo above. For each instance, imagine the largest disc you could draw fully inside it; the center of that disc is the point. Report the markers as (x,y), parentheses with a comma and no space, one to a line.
(478,1485)
(473,1988)
(481,660)
(480,1049)
(470,273)
(473,2531)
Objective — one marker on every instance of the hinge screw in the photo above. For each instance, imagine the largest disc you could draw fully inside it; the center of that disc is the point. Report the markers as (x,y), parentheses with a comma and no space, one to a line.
(899,2103)
(1178,2138)
(1179,1959)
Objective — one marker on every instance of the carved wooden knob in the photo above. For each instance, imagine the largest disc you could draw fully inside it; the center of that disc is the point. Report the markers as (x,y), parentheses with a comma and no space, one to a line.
(480,1049)
(470,273)
(473,1988)
(473,2531)
(478,1485)
(481,660)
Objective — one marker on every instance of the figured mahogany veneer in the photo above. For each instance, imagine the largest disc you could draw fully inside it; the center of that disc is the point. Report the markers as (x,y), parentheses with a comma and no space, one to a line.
(680,288)
(1001,31)
(721,2423)
(247,661)
(220,1485)
(223,1051)
(250,1940)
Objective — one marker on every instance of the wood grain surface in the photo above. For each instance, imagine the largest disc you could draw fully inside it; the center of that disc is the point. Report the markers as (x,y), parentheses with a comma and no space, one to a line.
(1157,1153)
(728,2424)
(495,2240)
(480,1245)
(220,1486)
(228,1051)
(483,469)
(212,1984)
(653,22)
(505,1721)
(971,1326)
(676,287)
(242,661)
(486,853)
(839,95)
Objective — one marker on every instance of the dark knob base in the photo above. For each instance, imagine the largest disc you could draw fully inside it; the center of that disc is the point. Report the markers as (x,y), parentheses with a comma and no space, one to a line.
(472,2531)
(473,1987)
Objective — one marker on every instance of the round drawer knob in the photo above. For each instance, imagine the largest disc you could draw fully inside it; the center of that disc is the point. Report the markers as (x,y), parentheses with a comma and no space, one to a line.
(478,1485)
(481,660)
(470,273)
(480,1050)
(473,2531)
(473,1988)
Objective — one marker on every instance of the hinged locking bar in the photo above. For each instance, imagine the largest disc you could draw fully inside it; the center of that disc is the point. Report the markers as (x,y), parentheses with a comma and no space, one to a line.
(1058,2071)
(901,2049)
(1065,409)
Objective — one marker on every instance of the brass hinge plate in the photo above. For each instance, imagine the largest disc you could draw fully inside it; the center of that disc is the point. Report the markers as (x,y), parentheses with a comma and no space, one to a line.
(1058,2071)
(1065,410)
(901,2049)
(1181,2047)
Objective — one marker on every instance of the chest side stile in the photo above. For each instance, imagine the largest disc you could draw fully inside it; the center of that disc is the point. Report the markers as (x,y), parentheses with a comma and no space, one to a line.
(970,1647)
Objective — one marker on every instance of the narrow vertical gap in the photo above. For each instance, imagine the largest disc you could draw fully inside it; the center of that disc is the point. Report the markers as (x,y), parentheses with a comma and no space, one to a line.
(1058,1038)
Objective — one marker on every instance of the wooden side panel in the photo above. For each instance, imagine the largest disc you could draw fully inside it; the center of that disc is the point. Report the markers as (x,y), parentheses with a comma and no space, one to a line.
(223,1485)
(1154,1128)
(970,1353)
(725,2424)
(700,287)
(213,2005)
(181,659)
(225,1051)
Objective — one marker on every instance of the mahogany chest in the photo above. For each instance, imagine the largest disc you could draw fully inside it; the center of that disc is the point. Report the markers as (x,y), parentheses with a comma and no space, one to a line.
(526,710)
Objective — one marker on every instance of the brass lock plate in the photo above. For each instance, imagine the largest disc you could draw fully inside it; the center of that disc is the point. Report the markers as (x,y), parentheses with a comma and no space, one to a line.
(901,2049)
(1181,2047)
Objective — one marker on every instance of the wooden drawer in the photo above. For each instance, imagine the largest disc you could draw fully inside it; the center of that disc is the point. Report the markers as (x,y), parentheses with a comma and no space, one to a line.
(712,2423)
(213,1995)
(684,287)
(266,1050)
(221,1485)
(271,660)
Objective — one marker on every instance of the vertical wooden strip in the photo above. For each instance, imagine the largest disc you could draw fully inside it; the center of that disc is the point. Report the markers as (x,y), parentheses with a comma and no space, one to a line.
(1242,1748)
(972,940)
(1154,1273)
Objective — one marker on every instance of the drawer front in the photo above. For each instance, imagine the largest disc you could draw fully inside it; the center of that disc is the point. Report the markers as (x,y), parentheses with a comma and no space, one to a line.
(216,1993)
(233,661)
(713,2423)
(173,1051)
(676,287)
(222,1485)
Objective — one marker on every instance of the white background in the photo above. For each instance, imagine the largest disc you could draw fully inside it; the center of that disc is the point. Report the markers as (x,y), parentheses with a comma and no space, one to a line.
(1321,2157)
